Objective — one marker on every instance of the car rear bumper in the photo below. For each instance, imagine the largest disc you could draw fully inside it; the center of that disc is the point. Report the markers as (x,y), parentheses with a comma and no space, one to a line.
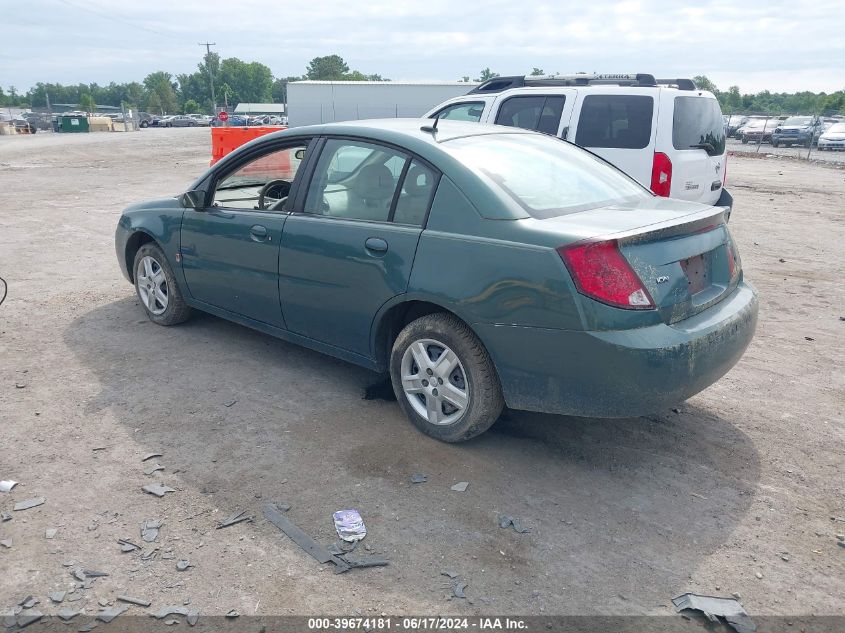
(628,373)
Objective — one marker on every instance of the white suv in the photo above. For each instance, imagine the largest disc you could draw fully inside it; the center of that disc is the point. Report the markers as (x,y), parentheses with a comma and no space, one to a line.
(665,133)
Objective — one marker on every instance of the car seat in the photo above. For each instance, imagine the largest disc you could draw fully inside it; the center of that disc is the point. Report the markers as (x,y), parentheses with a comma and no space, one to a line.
(413,203)
(371,193)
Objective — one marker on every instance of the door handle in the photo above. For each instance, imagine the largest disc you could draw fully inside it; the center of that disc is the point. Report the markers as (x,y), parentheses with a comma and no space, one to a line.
(376,244)
(259,233)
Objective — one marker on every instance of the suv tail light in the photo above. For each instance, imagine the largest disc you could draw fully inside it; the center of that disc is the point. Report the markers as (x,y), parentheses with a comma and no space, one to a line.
(661,174)
(601,272)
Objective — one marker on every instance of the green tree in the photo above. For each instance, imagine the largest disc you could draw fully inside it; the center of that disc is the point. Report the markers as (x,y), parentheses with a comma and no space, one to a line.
(330,67)
(160,84)
(487,74)
(465,79)
(190,107)
(537,72)
(250,82)
(87,103)
(704,83)
(732,100)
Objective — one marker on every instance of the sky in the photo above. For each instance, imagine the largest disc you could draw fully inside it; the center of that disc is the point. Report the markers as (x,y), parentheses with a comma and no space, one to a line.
(754,44)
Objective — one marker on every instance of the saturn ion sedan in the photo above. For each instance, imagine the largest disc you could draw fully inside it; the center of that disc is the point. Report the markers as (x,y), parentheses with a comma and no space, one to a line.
(480,266)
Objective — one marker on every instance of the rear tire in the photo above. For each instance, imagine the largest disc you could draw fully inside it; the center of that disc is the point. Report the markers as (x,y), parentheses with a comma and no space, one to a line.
(439,368)
(156,287)
(745,140)
(776,144)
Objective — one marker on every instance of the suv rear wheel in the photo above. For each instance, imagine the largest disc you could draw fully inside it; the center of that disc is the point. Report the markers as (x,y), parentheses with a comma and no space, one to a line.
(444,379)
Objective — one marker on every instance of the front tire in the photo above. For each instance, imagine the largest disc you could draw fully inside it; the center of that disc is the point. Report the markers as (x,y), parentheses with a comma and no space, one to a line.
(155,285)
(444,380)
(745,140)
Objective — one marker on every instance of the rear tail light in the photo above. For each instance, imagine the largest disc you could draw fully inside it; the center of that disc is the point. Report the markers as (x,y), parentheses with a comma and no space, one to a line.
(725,174)
(734,265)
(601,272)
(661,174)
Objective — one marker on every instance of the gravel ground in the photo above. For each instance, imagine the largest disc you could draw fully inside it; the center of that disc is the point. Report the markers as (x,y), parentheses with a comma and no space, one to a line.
(738,490)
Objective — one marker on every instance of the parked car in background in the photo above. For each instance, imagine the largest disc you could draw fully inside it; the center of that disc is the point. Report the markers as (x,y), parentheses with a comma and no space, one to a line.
(181,120)
(800,130)
(666,134)
(833,138)
(757,131)
(734,122)
(235,120)
(479,266)
(201,119)
(144,119)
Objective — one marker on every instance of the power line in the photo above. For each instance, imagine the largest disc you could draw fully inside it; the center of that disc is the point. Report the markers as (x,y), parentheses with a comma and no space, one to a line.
(115,18)
(208,46)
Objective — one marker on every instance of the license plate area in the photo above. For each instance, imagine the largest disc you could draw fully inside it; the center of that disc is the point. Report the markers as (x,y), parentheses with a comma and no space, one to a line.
(697,271)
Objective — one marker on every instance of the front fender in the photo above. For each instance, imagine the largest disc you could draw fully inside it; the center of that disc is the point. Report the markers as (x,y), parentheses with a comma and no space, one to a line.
(159,220)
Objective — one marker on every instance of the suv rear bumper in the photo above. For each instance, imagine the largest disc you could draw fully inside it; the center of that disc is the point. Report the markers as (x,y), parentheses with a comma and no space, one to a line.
(621,373)
(726,200)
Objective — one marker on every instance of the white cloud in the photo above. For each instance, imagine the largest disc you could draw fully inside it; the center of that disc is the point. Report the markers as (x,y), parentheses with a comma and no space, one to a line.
(775,44)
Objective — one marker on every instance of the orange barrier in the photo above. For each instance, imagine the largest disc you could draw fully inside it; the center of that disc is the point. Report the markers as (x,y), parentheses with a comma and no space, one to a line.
(226,139)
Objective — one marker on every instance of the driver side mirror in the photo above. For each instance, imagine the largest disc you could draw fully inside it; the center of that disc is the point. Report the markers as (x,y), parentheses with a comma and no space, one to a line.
(193,199)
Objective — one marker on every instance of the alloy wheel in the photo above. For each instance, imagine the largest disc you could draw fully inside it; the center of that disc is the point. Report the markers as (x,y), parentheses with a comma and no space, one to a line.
(434,381)
(152,285)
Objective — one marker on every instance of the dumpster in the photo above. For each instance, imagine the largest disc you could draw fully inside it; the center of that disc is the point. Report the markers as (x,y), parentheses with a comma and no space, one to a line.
(73,123)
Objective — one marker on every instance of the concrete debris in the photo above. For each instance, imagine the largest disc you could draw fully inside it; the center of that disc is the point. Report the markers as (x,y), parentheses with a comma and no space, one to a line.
(714,608)
(506,521)
(317,551)
(103,602)
(159,490)
(193,617)
(418,478)
(7,543)
(7,485)
(461,486)
(171,622)
(107,615)
(152,468)
(150,456)
(87,628)
(238,517)
(183,565)
(169,610)
(458,589)
(233,614)
(136,601)
(67,614)
(230,403)
(28,602)
(25,619)
(149,529)
(5,516)
(91,573)
(149,554)
(29,503)
(50,533)
(57,596)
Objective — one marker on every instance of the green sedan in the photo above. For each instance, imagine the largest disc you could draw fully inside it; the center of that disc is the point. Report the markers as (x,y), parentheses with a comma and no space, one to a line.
(480,266)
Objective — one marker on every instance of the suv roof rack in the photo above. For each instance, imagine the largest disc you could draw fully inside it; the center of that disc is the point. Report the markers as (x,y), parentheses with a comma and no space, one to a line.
(640,80)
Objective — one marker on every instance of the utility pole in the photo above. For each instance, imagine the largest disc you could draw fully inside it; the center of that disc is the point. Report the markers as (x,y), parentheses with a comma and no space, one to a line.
(208,46)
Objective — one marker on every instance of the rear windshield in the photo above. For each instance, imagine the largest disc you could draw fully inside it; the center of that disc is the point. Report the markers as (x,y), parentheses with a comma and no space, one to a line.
(698,124)
(545,176)
(620,121)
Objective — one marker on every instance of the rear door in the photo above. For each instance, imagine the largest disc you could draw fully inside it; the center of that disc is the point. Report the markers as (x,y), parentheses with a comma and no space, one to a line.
(618,126)
(350,246)
(546,111)
(695,143)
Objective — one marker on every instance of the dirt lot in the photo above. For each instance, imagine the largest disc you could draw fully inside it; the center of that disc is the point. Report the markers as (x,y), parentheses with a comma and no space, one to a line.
(739,490)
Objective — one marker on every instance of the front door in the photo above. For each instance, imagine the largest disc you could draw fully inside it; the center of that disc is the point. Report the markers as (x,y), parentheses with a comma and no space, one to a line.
(230,249)
(351,248)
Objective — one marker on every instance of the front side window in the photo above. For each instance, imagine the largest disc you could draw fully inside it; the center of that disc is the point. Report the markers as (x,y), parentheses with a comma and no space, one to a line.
(470,111)
(539,113)
(262,184)
(355,180)
(544,175)
(615,121)
(697,124)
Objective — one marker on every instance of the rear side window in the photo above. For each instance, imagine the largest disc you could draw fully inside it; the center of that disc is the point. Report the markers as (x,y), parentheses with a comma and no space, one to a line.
(471,111)
(538,113)
(698,124)
(615,121)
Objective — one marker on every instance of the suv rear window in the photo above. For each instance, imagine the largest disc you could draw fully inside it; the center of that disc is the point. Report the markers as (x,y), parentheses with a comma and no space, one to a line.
(537,112)
(615,121)
(698,121)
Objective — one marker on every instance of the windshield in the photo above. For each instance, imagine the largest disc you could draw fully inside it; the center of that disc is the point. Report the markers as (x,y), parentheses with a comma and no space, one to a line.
(836,127)
(798,120)
(547,177)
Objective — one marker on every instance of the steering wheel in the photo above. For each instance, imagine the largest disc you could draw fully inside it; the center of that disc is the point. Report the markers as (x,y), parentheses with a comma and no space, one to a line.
(272,193)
